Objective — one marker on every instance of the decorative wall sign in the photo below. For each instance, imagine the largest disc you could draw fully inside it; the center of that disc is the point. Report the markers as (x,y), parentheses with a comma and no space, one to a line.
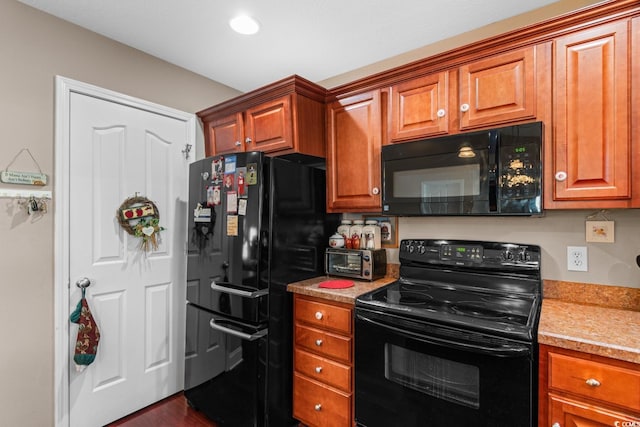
(140,217)
(28,178)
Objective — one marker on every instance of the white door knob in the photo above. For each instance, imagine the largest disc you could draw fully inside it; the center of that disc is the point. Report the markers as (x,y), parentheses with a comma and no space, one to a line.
(375,191)
(318,369)
(318,343)
(556,425)
(248,140)
(238,143)
(561,176)
(317,407)
(441,113)
(464,108)
(319,315)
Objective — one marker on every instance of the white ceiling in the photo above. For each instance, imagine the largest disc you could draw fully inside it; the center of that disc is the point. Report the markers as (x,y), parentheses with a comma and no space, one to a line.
(314,39)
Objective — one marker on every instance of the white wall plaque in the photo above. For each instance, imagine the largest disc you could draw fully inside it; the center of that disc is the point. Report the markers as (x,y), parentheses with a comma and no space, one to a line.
(29,178)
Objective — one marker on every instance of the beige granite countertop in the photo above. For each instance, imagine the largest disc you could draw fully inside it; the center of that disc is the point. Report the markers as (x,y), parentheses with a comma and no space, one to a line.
(347,295)
(589,325)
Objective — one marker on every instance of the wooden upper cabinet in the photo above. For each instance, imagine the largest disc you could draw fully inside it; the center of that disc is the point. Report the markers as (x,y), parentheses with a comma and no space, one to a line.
(482,93)
(285,117)
(268,126)
(498,89)
(225,135)
(419,107)
(591,146)
(353,154)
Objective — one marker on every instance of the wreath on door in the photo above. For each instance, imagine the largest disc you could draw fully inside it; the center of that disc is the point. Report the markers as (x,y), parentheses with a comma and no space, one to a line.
(140,217)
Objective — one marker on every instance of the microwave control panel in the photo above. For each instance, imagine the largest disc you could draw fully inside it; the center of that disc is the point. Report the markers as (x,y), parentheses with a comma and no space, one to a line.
(520,170)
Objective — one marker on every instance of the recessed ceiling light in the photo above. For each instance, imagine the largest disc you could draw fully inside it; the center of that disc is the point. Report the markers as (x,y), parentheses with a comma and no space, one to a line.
(244,24)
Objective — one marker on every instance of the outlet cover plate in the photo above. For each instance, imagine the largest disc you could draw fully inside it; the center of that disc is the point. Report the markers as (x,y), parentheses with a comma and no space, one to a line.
(577,258)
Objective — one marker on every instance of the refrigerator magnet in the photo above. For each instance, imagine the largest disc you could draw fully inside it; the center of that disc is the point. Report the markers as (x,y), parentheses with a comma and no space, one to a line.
(230,164)
(242,207)
(217,170)
(241,174)
(232,202)
(252,174)
(232,225)
(229,181)
(213,195)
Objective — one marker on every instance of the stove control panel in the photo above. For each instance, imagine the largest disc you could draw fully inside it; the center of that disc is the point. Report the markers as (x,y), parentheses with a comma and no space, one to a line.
(470,253)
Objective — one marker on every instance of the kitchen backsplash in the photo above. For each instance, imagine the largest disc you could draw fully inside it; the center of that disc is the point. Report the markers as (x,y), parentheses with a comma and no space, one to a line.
(608,263)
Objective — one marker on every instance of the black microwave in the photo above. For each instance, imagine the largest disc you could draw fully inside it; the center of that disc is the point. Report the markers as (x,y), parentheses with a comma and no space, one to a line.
(491,172)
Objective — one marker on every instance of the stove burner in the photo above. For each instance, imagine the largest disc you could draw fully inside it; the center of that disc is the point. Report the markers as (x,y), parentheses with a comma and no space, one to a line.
(410,294)
(479,309)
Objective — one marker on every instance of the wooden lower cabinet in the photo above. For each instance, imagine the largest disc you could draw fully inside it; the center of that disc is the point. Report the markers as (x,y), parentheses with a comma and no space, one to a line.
(582,390)
(323,363)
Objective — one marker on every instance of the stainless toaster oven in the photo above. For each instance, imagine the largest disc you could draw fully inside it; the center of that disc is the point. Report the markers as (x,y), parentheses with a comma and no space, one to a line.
(361,264)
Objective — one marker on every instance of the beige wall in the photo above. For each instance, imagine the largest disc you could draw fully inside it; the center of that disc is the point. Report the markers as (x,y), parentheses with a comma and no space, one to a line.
(34,47)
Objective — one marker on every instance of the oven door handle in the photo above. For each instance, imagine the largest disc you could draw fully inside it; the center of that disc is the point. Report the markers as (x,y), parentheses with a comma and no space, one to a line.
(512,350)
(247,337)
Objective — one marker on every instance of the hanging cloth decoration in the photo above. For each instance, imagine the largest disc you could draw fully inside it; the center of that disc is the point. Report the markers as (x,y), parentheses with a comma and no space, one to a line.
(140,217)
(88,334)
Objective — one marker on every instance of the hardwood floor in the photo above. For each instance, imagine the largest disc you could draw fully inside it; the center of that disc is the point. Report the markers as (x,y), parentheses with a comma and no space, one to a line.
(170,412)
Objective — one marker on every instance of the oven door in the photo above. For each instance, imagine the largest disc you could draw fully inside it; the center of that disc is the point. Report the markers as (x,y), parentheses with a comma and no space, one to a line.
(444,378)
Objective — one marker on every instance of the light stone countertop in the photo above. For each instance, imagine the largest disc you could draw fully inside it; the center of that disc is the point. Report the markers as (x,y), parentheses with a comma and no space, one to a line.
(604,331)
(347,295)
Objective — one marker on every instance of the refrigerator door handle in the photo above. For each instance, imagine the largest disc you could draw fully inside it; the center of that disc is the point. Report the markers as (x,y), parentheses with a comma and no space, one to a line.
(248,337)
(239,292)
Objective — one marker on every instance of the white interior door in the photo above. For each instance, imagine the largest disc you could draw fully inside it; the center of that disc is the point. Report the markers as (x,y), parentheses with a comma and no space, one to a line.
(138,299)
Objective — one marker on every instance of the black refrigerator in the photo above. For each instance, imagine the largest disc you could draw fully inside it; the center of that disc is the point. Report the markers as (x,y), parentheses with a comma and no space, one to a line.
(256,224)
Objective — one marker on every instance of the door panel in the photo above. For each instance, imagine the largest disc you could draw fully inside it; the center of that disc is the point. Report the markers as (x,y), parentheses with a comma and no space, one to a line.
(136,297)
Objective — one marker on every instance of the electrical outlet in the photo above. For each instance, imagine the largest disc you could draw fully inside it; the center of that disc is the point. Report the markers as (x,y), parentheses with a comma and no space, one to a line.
(577,258)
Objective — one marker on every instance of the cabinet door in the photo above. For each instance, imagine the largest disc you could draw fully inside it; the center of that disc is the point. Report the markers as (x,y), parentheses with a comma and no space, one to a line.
(569,413)
(268,126)
(591,145)
(498,89)
(353,154)
(419,108)
(224,135)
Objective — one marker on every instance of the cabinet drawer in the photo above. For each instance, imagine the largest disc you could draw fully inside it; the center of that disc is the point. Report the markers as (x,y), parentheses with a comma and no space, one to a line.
(323,343)
(567,412)
(320,406)
(611,384)
(327,371)
(324,315)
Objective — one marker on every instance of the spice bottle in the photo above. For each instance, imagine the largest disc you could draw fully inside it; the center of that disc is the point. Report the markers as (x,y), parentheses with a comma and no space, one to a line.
(371,235)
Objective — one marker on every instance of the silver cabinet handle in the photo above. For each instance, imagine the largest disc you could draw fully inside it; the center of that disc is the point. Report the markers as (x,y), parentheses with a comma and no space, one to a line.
(319,315)
(561,176)
(317,407)
(375,191)
(441,113)
(318,369)
(592,382)
(83,283)
(248,337)
(318,343)
(464,108)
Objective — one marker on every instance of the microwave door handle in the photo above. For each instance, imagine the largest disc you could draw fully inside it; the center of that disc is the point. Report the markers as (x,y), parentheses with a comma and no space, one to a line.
(494,150)
(514,350)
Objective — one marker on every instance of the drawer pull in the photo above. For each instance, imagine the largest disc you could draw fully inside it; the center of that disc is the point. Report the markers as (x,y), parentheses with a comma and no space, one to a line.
(318,343)
(318,315)
(556,425)
(593,382)
(317,407)
(318,369)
